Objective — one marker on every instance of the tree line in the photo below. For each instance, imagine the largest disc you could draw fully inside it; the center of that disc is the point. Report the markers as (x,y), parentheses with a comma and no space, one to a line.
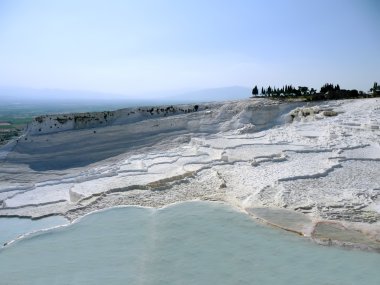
(328,91)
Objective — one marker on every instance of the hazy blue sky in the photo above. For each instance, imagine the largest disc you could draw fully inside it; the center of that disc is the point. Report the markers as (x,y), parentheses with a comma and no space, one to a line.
(138,47)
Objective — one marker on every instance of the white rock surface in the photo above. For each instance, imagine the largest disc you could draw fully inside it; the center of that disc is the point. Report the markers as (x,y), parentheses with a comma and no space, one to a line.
(244,152)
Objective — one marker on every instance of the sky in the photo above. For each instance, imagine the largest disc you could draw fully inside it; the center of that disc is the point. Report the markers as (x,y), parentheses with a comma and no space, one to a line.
(146,47)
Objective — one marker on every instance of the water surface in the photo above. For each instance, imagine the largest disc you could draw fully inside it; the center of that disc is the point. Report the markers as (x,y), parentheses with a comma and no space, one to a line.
(11,228)
(189,243)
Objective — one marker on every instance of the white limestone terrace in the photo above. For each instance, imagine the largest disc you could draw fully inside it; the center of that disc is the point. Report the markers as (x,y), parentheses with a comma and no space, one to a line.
(321,163)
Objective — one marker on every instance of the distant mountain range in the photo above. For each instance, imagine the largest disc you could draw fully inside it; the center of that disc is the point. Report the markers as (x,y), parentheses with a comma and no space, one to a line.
(216,94)
(28,95)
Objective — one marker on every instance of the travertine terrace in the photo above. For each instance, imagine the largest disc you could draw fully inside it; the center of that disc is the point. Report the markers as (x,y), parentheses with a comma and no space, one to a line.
(317,167)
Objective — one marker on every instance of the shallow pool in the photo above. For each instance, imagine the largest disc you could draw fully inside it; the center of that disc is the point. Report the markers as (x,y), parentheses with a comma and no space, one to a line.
(188,243)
